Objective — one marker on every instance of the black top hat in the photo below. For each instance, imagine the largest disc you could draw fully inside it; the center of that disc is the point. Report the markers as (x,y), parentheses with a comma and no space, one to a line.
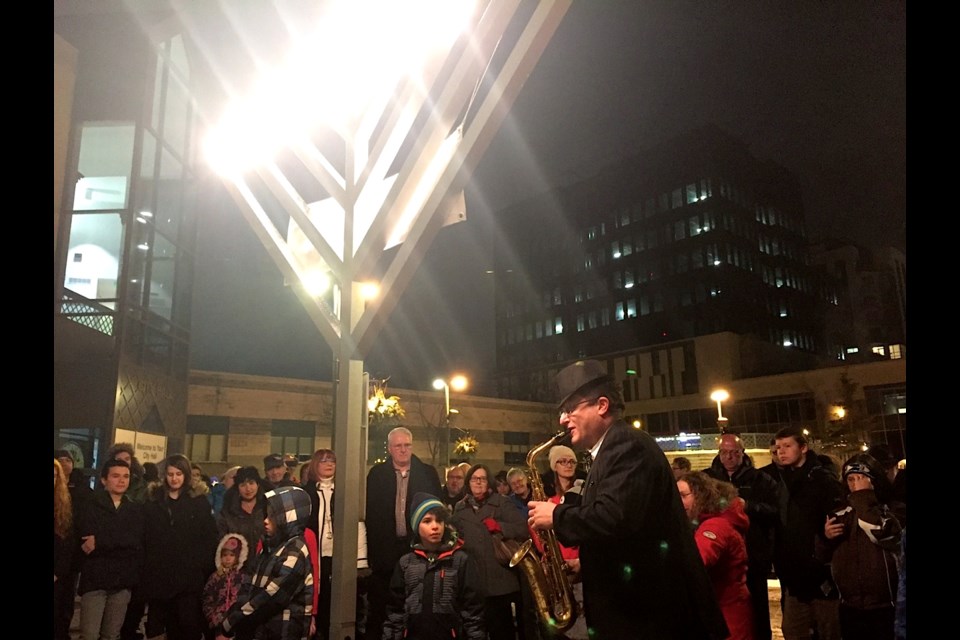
(579,376)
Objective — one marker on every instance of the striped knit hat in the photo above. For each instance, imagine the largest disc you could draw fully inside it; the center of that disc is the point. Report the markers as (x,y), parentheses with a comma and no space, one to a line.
(422,503)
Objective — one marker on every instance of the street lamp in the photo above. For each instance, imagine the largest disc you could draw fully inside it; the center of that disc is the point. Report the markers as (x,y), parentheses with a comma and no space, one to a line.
(457,383)
(720,396)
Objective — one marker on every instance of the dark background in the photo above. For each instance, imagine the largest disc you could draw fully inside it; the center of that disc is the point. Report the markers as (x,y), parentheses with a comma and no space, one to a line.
(817,87)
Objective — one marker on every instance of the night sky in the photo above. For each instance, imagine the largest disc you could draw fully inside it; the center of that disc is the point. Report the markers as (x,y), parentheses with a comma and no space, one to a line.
(817,87)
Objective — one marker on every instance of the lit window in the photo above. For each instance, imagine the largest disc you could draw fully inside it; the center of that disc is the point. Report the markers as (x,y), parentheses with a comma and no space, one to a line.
(558,326)
(895,353)
(580,323)
(853,350)
(618,313)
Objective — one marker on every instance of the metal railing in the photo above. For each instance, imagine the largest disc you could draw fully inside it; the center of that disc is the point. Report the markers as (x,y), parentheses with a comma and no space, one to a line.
(88,313)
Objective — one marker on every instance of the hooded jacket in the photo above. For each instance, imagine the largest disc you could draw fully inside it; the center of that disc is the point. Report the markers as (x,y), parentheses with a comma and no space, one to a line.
(436,594)
(278,600)
(721,540)
(863,559)
(223,585)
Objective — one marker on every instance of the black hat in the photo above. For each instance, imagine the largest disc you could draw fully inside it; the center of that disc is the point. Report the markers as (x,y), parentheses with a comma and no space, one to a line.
(247,473)
(863,464)
(272,461)
(61,453)
(580,376)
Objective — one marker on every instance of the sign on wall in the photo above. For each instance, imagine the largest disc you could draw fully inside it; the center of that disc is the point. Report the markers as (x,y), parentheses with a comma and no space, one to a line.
(148,447)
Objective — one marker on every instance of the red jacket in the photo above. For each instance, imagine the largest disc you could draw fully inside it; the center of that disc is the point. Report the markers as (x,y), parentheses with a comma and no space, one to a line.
(721,541)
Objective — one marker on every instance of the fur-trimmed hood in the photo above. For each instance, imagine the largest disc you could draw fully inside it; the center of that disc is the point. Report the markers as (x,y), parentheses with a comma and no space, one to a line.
(242,552)
(158,490)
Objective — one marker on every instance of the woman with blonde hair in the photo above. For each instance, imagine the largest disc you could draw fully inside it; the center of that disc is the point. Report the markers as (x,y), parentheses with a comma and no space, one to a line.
(63,550)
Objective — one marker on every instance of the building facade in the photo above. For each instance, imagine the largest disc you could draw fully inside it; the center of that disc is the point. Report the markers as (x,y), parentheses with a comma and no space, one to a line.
(124,229)
(237,419)
(866,292)
(691,238)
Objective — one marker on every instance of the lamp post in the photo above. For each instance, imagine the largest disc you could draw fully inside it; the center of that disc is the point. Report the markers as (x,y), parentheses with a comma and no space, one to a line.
(458,383)
(720,396)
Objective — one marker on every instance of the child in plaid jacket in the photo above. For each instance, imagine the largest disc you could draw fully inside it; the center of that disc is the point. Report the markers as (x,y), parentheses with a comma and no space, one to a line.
(277,603)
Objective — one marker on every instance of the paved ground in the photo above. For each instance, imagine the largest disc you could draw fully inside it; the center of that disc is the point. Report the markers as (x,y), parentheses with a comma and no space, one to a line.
(773,585)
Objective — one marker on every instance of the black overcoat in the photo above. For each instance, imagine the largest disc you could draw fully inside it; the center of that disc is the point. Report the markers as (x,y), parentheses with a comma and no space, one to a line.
(382,548)
(642,573)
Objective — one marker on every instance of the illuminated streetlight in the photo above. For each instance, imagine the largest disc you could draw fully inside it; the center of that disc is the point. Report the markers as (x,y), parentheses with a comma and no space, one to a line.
(457,383)
(720,396)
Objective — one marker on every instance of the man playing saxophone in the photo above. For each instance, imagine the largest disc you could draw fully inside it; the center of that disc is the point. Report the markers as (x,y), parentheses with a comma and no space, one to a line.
(641,571)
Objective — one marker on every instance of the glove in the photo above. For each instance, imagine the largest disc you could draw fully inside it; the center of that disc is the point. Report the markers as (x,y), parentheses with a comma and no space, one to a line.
(492,525)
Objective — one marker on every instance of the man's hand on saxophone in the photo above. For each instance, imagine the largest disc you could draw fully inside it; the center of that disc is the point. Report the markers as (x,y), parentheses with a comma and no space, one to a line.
(541,515)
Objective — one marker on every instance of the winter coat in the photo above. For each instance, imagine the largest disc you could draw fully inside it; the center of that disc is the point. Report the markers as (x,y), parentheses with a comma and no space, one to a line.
(233,518)
(320,507)
(721,540)
(277,602)
(807,495)
(179,541)
(436,595)
(223,585)
(80,496)
(468,517)
(217,492)
(863,559)
(117,559)
(762,495)
(381,523)
(900,615)
(63,551)
(642,575)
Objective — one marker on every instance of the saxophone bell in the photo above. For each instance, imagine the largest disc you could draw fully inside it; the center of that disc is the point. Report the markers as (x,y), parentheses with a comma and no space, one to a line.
(546,572)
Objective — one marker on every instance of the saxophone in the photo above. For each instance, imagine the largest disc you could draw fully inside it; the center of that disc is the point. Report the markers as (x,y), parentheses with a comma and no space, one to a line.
(546,573)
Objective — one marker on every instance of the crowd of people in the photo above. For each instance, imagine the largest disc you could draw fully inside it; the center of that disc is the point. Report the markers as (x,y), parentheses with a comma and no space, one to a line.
(650,548)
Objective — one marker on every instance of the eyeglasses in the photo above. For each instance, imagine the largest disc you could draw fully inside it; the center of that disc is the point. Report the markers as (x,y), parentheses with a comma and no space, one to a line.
(327,459)
(568,410)
(566,462)
(478,479)
(400,446)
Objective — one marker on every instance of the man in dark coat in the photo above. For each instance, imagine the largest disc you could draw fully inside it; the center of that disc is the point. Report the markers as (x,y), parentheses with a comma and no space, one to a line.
(111,528)
(761,493)
(642,573)
(391,486)
(808,492)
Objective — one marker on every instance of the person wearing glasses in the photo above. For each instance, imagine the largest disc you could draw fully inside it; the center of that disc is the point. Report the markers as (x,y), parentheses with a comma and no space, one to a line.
(641,570)
(391,486)
(762,496)
(482,513)
(323,466)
